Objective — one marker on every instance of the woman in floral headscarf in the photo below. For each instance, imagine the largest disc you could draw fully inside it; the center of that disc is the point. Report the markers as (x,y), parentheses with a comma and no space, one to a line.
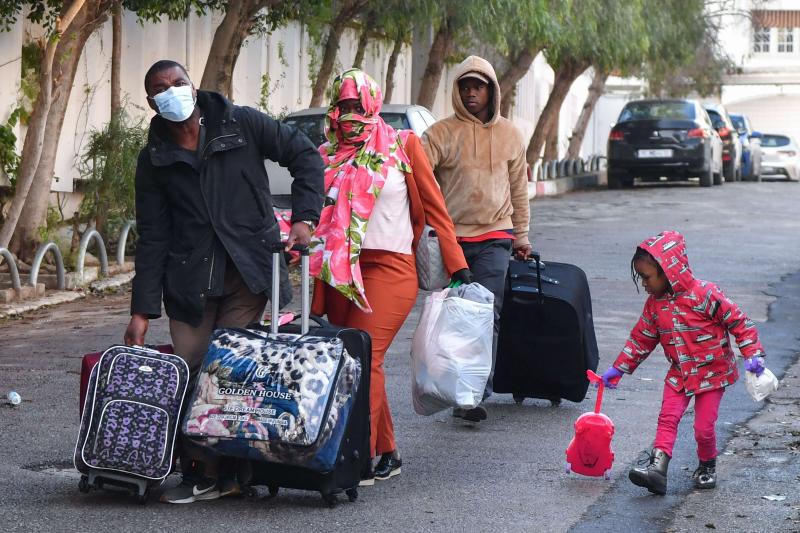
(380,193)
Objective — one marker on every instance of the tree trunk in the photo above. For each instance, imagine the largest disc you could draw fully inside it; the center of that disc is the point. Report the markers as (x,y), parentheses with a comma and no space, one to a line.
(519,66)
(596,90)
(65,64)
(348,10)
(116,58)
(391,67)
(551,143)
(565,75)
(326,67)
(34,139)
(363,40)
(227,43)
(433,70)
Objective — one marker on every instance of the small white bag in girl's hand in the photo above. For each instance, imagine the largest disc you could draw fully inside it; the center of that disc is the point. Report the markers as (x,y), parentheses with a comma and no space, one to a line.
(759,387)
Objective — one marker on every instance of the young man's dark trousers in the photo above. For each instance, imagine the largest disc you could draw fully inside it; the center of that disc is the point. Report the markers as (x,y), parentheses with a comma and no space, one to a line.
(488,261)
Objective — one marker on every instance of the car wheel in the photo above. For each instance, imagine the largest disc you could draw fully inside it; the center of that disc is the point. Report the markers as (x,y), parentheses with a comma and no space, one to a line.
(717,177)
(728,171)
(618,180)
(707,178)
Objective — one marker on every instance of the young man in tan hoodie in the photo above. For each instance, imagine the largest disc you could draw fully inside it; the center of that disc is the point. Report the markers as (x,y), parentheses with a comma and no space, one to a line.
(478,158)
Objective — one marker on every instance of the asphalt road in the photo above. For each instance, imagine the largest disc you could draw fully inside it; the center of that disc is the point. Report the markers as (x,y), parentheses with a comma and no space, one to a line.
(506,474)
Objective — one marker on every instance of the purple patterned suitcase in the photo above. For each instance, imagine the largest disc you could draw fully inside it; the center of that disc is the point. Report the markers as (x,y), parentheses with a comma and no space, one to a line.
(130,419)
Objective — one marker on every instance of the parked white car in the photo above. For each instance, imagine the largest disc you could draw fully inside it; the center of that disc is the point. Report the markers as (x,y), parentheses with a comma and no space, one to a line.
(312,122)
(780,156)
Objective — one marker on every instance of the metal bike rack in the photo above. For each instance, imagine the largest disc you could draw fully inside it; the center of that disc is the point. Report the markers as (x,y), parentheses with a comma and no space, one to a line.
(12,265)
(37,264)
(101,246)
(123,240)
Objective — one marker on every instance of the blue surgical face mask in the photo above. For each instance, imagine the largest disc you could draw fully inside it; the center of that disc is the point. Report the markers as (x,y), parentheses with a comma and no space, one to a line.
(176,104)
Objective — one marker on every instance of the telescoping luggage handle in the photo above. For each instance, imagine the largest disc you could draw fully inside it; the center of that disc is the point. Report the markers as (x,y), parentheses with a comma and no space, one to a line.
(274,303)
(537,259)
(594,378)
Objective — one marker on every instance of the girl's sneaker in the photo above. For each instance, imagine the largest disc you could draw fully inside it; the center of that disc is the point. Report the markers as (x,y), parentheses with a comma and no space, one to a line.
(705,477)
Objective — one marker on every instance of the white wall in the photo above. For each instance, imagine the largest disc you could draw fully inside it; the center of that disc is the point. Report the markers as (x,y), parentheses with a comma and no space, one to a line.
(10,66)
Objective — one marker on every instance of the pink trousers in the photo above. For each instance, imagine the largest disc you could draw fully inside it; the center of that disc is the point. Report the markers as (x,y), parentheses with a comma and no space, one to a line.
(706,409)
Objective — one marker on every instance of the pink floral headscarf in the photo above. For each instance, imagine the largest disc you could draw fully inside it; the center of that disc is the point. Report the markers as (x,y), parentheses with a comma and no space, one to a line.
(359,152)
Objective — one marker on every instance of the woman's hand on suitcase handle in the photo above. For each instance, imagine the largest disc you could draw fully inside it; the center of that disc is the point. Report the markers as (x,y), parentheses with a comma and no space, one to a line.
(136,330)
(611,377)
(464,276)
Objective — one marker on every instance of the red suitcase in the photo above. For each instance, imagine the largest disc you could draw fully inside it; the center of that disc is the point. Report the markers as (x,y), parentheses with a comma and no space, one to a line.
(90,360)
(589,453)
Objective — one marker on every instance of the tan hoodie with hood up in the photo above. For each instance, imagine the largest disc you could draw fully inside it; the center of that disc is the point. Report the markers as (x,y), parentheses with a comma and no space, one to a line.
(481,168)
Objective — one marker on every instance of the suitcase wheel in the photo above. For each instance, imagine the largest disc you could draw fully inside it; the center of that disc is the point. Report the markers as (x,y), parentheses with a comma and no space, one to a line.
(142,498)
(273,490)
(83,484)
(329,499)
(555,402)
(567,468)
(519,399)
(607,475)
(352,494)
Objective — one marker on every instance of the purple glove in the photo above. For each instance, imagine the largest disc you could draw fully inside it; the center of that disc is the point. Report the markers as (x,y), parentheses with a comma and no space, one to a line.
(754,365)
(611,377)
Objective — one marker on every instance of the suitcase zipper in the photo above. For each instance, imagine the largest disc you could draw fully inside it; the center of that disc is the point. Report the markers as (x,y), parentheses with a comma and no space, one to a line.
(114,361)
(211,270)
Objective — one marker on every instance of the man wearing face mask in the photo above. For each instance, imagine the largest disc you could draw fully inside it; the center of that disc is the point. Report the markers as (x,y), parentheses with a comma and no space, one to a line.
(206,224)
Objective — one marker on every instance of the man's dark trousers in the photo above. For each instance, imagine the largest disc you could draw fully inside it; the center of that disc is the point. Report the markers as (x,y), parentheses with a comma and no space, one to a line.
(488,261)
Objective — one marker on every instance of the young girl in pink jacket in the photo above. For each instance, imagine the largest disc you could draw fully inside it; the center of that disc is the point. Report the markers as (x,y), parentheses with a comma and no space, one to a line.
(691,320)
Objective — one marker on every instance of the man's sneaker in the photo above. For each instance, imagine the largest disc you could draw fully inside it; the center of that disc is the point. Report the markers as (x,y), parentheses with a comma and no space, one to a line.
(388,466)
(476,414)
(186,492)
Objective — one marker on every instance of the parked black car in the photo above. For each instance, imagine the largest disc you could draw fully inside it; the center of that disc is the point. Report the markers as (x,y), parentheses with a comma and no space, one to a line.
(731,146)
(663,138)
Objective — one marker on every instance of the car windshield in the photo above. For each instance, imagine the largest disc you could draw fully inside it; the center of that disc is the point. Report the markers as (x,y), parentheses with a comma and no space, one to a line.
(774,141)
(656,110)
(314,125)
(738,122)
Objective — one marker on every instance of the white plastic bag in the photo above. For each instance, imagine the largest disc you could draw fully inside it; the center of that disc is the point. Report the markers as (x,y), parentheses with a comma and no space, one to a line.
(762,386)
(451,354)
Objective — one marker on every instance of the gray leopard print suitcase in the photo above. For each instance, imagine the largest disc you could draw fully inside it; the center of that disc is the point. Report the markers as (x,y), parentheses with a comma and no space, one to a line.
(130,418)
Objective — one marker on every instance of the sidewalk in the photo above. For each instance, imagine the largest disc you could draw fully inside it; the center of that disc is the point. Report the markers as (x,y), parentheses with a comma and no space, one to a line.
(54,297)
(758,472)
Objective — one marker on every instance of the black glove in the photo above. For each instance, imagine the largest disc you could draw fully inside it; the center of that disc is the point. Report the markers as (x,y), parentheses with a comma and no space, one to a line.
(464,276)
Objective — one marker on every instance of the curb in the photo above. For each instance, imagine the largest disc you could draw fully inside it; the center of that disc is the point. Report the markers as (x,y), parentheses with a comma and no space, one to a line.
(58,297)
(566,184)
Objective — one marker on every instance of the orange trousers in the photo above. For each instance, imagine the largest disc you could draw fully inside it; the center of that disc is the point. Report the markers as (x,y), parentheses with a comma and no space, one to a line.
(390,284)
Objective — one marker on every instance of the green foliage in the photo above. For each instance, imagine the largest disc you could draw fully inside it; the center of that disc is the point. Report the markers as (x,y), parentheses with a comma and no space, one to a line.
(270,87)
(49,230)
(9,159)
(42,12)
(153,10)
(109,167)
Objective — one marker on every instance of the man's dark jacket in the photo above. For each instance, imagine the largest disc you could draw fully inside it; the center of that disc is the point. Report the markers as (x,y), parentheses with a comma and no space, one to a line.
(194,209)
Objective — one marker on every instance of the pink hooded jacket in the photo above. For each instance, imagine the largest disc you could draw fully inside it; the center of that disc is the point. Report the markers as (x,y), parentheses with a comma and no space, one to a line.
(692,325)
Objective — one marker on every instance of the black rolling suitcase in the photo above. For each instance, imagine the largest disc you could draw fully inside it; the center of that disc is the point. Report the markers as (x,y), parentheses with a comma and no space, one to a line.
(292,405)
(547,340)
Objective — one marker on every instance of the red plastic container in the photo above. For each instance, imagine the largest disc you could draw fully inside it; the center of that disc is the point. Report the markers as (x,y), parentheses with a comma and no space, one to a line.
(589,453)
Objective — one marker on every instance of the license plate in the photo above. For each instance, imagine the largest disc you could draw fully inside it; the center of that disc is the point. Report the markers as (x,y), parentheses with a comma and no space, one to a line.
(644,154)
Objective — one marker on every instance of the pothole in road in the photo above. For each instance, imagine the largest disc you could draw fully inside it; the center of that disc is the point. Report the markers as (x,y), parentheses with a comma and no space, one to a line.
(60,469)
